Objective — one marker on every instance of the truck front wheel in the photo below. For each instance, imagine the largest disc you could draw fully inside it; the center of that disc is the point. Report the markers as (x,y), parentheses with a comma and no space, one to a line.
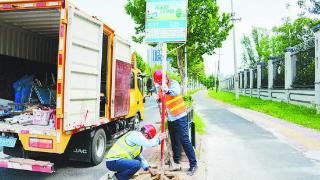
(98,146)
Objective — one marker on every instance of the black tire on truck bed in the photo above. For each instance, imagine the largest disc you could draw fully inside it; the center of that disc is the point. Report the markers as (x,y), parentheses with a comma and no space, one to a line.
(99,143)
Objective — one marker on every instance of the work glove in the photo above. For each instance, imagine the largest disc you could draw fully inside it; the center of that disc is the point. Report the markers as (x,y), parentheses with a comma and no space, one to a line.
(163,136)
(152,171)
(165,88)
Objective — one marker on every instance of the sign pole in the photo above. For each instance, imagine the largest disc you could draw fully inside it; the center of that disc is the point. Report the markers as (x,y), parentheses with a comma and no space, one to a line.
(163,113)
(162,27)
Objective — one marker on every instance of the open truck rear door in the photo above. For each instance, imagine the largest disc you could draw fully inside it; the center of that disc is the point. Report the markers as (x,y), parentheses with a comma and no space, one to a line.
(121,71)
(83,67)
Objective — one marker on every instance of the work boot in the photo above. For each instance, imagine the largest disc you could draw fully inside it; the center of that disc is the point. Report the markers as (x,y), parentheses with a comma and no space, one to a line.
(114,177)
(175,167)
(111,175)
(192,170)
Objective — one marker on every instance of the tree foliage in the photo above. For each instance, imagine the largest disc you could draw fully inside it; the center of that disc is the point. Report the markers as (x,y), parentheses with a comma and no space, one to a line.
(261,44)
(256,47)
(260,38)
(310,6)
(248,55)
(292,33)
(208,81)
(207,29)
(140,63)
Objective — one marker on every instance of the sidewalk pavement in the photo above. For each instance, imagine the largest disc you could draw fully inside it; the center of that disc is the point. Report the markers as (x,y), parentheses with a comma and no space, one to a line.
(301,138)
(247,145)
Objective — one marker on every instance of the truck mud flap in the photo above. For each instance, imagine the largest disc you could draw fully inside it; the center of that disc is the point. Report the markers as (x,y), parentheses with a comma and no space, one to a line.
(26,164)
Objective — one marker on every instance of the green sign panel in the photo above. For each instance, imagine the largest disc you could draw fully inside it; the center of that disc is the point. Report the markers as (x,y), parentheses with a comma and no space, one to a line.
(166,21)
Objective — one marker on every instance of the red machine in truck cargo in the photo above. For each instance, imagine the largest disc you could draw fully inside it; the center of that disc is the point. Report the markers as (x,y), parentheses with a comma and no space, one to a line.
(67,84)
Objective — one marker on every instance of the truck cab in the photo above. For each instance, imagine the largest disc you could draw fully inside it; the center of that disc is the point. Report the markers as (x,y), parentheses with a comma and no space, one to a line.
(136,97)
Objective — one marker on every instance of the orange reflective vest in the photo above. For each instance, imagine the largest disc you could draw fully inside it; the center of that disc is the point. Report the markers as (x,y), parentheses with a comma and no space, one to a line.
(175,104)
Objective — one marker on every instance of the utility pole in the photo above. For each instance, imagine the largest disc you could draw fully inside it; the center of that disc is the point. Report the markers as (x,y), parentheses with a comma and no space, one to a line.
(218,72)
(234,20)
(213,79)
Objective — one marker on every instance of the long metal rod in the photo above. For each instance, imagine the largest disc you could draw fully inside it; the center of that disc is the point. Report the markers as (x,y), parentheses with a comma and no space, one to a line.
(186,71)
(163,113)
(236,88)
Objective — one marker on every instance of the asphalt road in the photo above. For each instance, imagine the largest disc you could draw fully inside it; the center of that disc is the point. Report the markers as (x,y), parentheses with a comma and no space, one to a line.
(237,149)
(66,170)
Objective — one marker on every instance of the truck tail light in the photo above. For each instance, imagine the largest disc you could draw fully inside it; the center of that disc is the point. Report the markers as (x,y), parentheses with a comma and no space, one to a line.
(63,3)
(41,143)
(60,59)
(59,88)
(62,31)
(7,6)
(58,122)
(41,4)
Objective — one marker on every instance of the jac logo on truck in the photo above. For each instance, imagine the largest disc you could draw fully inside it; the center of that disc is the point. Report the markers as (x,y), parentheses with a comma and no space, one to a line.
(81,151)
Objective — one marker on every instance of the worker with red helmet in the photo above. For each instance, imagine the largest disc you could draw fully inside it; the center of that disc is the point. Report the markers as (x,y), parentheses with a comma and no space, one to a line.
(177,121)
(125,156)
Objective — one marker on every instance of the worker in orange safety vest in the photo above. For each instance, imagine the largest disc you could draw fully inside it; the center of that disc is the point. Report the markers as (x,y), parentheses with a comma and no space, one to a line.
(177,120)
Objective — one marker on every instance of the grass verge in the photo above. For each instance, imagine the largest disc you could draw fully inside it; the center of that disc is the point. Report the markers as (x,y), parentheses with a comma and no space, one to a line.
(188,98)
(301,115)
(200,125)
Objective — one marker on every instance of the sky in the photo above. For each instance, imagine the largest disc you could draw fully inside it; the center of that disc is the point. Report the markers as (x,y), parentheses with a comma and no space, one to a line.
(112,13)
(260,13)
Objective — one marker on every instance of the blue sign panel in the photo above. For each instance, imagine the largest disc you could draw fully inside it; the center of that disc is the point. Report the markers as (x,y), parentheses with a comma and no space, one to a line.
(166,21)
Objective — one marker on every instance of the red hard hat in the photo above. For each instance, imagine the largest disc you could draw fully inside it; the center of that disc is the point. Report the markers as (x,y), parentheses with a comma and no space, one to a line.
(150,130)
(157,77)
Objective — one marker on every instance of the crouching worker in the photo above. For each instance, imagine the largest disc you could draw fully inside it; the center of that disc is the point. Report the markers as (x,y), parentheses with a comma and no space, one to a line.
(125,156)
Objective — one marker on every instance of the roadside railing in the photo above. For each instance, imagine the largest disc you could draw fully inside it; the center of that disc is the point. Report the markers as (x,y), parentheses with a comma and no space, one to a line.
(293,77)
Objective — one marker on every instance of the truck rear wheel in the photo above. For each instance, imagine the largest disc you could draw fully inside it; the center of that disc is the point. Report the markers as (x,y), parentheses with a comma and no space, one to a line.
(98,146)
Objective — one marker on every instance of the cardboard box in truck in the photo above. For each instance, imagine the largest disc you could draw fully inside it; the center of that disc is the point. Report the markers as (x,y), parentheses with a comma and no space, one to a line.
(83,70)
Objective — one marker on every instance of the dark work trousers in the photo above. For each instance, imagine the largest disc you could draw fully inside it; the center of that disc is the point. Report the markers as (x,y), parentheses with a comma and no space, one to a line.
(124,168)
(179,134)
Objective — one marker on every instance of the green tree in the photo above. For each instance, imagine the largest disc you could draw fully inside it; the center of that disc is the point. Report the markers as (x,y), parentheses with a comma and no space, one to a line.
(291,33)
(261,40)
(260,45)
(311,6)
(141,64)
(256,47)
(208,81)
(207,29)
(248,56)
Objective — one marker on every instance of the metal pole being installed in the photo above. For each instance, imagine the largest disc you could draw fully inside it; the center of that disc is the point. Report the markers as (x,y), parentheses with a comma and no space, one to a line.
(236,88)
(163,109)
(186,71)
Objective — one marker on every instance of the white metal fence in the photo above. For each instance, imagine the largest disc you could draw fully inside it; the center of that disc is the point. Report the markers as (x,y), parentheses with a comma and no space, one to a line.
(293,78)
